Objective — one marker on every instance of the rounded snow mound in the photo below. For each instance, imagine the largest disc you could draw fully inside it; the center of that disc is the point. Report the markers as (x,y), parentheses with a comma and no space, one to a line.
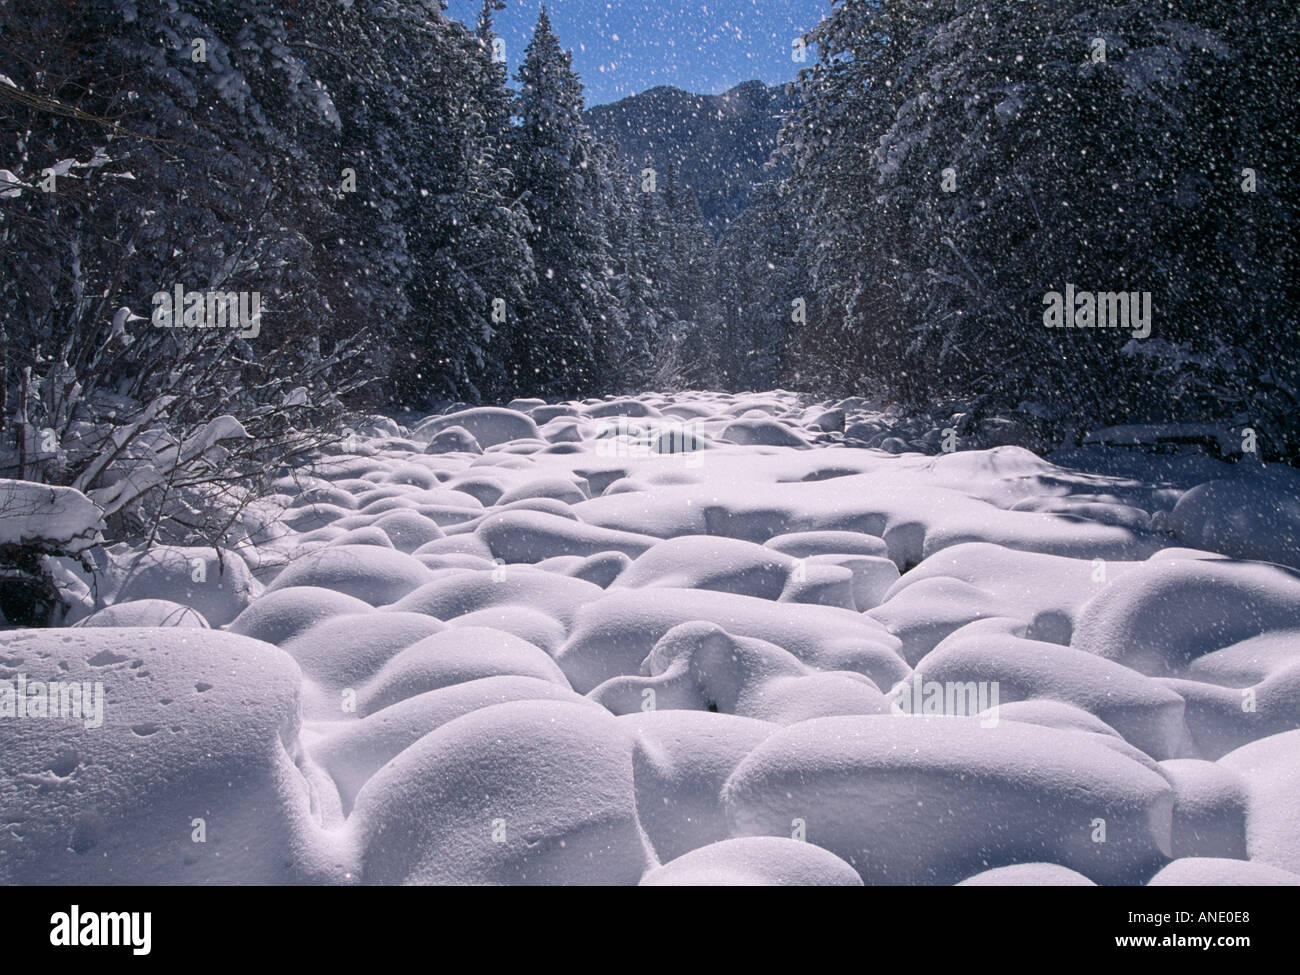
(452,657)
(374,575)
(1028,875)
(920,800)
(488,425)
(353,751)
(762,433)
(1218,872)
(1160,615)
(755,861)
(1243,518)
(552,801)
(147,612)
(282,614)
(216,788)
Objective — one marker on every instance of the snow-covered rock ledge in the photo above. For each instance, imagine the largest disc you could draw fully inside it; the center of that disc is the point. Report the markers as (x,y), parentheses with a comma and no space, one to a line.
(46,518)
(42,529)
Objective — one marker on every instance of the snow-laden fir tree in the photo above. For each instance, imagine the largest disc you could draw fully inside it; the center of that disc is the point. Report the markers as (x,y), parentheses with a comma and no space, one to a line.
(760,276)
(558,179)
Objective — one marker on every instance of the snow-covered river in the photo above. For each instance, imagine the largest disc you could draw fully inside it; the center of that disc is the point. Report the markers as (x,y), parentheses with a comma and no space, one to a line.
(683,639)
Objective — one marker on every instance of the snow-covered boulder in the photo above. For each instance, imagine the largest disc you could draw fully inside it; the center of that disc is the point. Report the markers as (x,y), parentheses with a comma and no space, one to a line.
(1159,616)
(921,800)
(755,861)
(369,573)
(353,751)
(1210,802)
(1148,714)
(454,656)
(185,766)
(147,612)
(682,759)
(453,440)
(1028,875)
(215,582)
(762,432)
(553,802)
(488,425)
(613,634)
(1222,872)
(1246,518)
(1270,769)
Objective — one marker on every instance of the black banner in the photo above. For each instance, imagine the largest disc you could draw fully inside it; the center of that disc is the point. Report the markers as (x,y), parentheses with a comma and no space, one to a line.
(923,925)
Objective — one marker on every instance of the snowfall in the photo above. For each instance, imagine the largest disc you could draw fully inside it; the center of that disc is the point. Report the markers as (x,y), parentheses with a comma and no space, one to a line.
(698,638)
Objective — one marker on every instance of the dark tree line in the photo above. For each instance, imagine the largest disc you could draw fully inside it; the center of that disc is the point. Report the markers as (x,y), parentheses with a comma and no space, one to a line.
(365,168)
(417,232)
(957,160)
(422,233)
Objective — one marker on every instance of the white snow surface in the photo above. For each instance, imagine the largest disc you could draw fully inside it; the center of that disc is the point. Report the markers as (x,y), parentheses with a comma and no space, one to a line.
(687,639)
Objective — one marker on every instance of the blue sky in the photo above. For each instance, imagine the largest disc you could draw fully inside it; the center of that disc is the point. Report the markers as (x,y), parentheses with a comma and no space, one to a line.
(621,47)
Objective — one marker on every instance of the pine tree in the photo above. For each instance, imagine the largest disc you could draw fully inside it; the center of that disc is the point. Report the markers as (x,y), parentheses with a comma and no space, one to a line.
(558,179)
(760,275)
(479,264)
(698,307)
(620,351)
(371,170)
